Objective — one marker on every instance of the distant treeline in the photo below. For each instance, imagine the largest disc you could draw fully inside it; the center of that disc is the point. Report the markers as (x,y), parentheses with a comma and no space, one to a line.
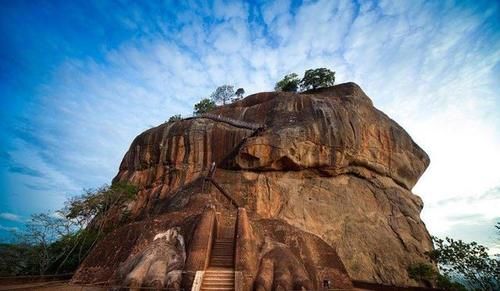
(56,243)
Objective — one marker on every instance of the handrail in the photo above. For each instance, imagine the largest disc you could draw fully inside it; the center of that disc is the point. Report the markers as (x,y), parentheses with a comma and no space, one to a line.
(228,120)
(223,191)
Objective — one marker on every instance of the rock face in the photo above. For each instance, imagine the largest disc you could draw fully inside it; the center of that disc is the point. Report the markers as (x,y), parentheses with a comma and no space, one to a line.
(328,175)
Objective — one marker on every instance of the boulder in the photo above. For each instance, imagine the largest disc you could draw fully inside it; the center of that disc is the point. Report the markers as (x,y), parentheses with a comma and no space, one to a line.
(323,167)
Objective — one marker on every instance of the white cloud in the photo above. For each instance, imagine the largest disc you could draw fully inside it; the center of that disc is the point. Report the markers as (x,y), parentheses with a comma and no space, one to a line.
(9,229)
(430,66)
(10,217)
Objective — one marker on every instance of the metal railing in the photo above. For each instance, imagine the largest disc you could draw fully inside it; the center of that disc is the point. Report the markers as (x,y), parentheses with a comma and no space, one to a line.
(228,120)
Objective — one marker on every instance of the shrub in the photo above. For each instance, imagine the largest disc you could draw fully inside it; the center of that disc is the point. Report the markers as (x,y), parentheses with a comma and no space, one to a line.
(422,272)
(289,83)
(174,118)
(204,106)
(317,78)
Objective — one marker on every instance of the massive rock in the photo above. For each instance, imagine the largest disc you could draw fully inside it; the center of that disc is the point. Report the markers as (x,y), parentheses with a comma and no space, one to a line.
(327,170)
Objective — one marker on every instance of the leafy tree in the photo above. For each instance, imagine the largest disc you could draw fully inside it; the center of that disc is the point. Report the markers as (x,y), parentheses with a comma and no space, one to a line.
(222,94)
(174,118)
(239,94)
(289,83)
(58,242)
(204,106)
(469,261)
(427,273)
(317,78)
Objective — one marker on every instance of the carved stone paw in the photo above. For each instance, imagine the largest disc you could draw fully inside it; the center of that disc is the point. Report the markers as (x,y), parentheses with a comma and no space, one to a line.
(158,265)
(280,270)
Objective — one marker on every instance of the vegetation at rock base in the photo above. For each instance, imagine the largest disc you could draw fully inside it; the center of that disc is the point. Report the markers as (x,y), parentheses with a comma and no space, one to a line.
(458,261)
(427,273)
(222,94)
(56,243)
(469,261)
(204,106)
(289,83)
(174,118)
(317,78)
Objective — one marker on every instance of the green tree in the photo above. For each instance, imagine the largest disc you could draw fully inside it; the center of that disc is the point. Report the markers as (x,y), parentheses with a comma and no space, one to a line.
(222,94)
(467,261)
(317,78)
(289,83)
(204,106)
(239,94)
(174,118)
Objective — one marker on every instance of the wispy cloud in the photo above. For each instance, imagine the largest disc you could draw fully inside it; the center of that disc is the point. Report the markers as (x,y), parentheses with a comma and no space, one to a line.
(8,228)
(11,217)
(433,66)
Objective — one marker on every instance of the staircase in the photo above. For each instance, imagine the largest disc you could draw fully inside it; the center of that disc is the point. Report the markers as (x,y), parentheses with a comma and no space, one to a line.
(220,272)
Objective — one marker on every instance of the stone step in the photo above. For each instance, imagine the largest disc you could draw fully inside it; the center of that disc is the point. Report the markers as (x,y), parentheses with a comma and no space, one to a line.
(222,264)
(218,258)
(217,283)
(217,288)
(228,278)
(222,253)
(218,277)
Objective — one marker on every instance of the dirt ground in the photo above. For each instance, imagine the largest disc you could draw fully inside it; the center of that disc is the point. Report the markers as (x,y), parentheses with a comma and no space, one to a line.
(56,286)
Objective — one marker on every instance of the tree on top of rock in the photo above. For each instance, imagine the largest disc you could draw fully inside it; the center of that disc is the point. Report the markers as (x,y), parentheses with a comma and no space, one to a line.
(174,118)
(222,94)
(317,78)
(289,83)
(239,94)
(204,106)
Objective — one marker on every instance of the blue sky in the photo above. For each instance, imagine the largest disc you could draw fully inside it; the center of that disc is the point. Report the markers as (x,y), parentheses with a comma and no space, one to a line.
(80,79)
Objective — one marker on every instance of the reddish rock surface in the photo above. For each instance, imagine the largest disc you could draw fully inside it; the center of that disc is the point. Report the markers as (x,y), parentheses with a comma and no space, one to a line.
(326,186)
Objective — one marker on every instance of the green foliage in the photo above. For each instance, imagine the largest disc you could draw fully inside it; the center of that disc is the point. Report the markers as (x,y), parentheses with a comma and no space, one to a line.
(289,83)
(222,94)
(17,259)
(239,94)
(444,283)
(422,272)
(468,261)
(95,203)
(317,78)
(174,118)
(204,106)
(54,243)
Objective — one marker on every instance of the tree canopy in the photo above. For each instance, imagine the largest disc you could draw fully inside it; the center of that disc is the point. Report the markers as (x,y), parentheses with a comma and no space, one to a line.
(469,262)
(317,78)
(175,117)
(204,106)
(55,243)
(289,83)
(239,94)
(222,94)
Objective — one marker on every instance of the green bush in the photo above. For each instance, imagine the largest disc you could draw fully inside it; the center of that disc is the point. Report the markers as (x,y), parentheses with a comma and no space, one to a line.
(57,243)
(174,118)
(289,83)
(204,106)
(422,272)
(317,78)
